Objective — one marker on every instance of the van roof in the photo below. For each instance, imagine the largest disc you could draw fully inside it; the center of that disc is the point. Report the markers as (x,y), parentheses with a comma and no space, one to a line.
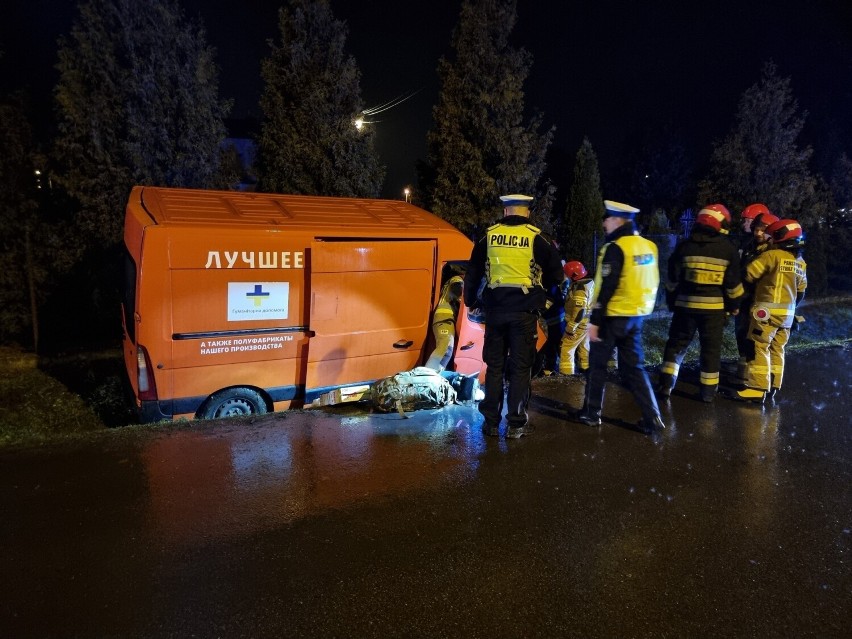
(176,207)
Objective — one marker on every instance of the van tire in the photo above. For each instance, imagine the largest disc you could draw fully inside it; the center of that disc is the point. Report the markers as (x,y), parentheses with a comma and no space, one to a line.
(233,402)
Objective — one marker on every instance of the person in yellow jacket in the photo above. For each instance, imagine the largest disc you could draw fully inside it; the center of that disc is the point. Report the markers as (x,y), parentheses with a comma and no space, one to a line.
(779,277)
(626,282)
(444,324)
(578,310)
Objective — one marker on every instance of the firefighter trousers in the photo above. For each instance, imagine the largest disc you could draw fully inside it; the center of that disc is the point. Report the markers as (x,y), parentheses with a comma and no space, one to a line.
(574,344)
(765,365)
(445,340)
(710,328)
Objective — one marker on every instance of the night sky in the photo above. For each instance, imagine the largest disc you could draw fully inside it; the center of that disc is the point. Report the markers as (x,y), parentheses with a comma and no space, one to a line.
(606,69)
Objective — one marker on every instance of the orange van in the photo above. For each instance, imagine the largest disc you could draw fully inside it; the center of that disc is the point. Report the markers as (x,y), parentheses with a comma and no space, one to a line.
(239,303)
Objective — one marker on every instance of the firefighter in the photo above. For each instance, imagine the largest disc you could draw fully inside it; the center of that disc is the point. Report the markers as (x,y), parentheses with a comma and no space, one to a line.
(779,277)
(578,309)
(703,287)
(626,282)
(444,324)
(519,265)
(747,218)
(759,217)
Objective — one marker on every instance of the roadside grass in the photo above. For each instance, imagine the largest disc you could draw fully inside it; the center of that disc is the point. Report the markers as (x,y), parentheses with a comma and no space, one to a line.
(83,394)
(828,322)
(35,407)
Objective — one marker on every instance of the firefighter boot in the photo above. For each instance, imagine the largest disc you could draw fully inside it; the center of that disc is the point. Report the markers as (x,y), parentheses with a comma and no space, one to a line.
(665,385)
(754,395)
(707,393)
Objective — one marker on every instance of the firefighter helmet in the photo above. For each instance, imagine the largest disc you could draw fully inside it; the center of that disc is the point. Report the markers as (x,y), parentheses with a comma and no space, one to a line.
(764,219)
(786,233)
(574,270)
(753,210)
(716,216)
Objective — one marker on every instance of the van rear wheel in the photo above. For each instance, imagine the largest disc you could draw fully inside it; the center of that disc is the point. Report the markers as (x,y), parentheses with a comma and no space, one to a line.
(233,402)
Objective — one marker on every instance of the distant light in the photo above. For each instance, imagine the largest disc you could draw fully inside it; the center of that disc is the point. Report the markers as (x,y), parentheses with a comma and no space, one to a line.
(647,176)
(37,172)
(359,123)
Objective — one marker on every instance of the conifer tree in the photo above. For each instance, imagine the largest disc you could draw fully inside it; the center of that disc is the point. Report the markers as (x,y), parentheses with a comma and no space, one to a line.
(20,276)
(309,141)
(585,208)
(480,147)
(138,104)
(760,160)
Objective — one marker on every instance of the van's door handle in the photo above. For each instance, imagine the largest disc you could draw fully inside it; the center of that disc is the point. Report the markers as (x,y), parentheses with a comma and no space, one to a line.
(467,346)
(403,344)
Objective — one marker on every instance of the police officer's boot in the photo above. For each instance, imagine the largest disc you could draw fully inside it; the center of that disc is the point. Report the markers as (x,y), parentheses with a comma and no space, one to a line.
(707,393)
(589,417)
(665,385)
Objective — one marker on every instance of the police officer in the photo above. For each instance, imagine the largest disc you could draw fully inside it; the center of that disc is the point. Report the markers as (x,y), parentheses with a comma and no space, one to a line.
(578,310)
(626,282)
(703,286)
(779,276)
(519,265)
(444,324)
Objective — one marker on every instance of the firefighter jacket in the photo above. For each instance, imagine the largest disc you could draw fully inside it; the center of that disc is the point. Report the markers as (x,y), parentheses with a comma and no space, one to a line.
(578,304)
(518,264)
(448,304)
(780,279)
(627,276)
(704,274)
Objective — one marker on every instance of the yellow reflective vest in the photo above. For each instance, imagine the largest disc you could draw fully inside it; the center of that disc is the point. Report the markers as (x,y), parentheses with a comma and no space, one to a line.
(636,292)
(510,260)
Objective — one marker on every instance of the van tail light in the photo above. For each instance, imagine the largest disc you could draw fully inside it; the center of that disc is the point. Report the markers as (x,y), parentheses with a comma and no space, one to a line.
(145,375)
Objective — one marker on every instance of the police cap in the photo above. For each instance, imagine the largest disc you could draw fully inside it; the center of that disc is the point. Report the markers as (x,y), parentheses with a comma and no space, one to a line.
(516,200)
(617,209)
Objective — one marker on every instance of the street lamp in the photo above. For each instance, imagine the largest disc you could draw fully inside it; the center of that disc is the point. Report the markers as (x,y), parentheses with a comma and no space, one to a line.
(407,193)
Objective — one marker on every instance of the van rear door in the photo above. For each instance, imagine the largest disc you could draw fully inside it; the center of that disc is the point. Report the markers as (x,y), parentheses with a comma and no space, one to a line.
(370,303)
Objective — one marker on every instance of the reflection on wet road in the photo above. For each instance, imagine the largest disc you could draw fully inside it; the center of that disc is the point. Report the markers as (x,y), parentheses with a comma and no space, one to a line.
(736,521)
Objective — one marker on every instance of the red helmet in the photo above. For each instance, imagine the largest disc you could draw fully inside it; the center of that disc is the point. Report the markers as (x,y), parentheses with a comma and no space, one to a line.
(753,210)
(574,271)
(716,216)
(765,219)
(786,233)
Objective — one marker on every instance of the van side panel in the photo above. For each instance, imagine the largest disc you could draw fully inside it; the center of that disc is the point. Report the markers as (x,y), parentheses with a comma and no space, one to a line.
(370,306)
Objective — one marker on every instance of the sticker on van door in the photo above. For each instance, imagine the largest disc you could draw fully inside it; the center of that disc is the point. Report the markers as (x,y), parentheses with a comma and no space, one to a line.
(258,300)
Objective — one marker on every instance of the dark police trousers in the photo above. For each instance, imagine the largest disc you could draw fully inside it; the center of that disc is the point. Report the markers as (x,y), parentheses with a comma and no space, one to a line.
(626,334)
(509,351)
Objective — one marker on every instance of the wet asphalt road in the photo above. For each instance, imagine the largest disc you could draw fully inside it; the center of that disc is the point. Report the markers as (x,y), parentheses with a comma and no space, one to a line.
(735,522)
